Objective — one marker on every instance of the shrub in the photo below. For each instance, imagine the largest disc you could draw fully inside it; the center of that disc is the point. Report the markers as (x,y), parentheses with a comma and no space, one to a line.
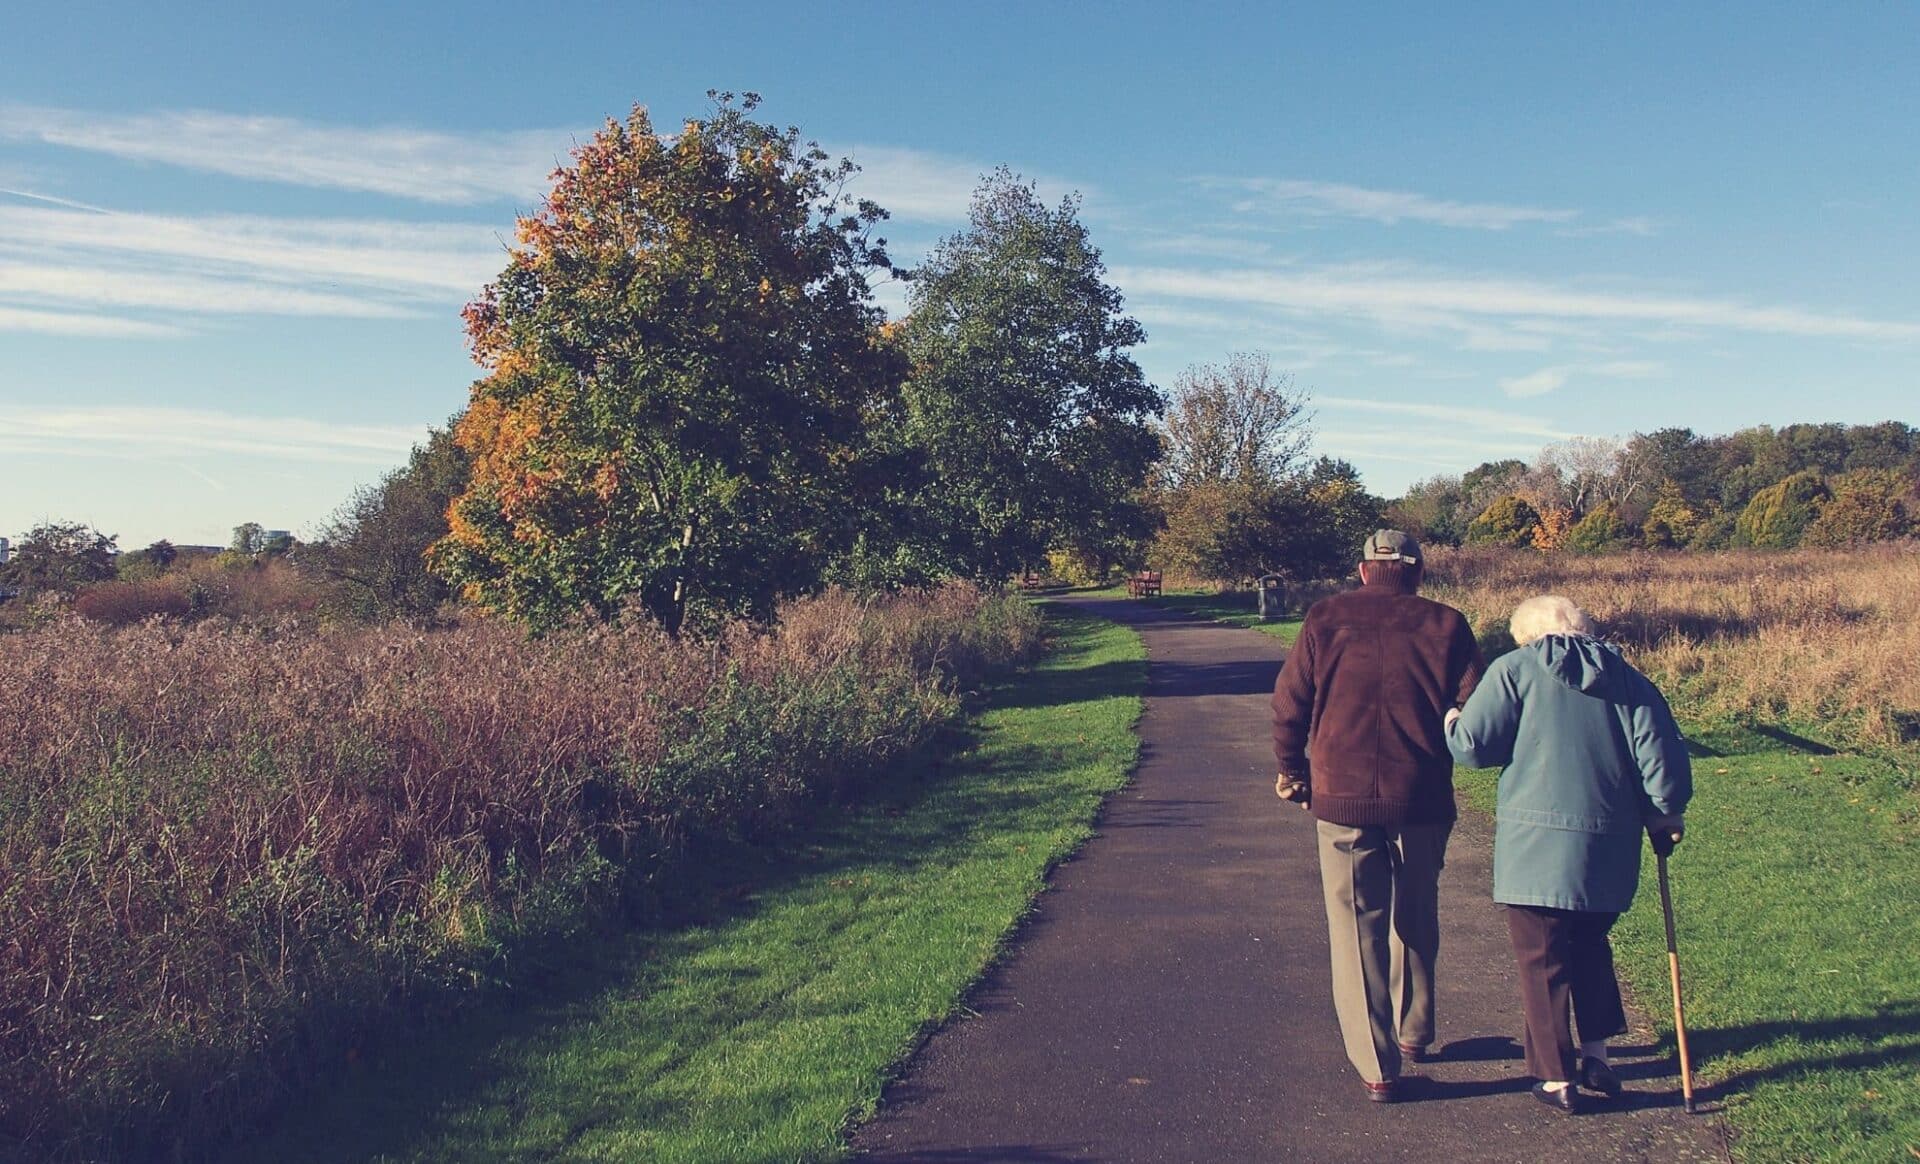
(227,850)
(1868,505)
(1671,521)
(1779,514)
(121,603)
(1600,531)
(1715,532)
(1508,521)
(1076,567)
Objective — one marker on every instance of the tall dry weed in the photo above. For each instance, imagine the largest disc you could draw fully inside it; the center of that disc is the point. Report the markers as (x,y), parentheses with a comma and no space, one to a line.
(1829,638)
(221,848)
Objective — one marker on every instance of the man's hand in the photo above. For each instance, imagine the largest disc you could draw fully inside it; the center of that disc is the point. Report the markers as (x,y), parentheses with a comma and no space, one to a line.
(1293,788)
(1664,832)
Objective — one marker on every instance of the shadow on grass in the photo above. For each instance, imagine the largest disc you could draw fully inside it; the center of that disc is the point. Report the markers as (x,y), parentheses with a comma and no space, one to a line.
(1746,738)
(397,1098)
(1895,1026)
(1794,742)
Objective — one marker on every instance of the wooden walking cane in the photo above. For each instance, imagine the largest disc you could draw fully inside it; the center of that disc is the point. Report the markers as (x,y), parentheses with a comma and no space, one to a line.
(1673,964)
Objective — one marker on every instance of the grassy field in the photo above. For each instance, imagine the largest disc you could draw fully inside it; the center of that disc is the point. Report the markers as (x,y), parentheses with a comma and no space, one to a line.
(1797,890)
(765,1025)
(1797,899)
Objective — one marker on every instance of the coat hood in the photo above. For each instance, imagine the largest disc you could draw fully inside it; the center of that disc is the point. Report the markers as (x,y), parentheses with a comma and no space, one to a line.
(1582,663)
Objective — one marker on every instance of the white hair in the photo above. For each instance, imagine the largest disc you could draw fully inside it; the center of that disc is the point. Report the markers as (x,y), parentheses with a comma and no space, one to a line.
(1549,614)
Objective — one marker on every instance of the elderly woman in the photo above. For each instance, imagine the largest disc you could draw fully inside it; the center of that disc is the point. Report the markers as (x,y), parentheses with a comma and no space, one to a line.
(1590,758)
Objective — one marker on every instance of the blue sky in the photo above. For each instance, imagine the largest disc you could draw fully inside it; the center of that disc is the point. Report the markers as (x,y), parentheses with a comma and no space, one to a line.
(234,240)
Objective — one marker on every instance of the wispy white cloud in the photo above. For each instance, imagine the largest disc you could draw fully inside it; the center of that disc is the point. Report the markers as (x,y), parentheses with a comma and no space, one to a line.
(116,431)
(81,324)
(916,184)
(1552,379)
(1639,225)
(1221,246)
(177,267)
(1336,200)
(1452,417)
(442,258)
(1390,296)
(182,293)
(433,165)
(923,186)
(425,165)
(1437,437)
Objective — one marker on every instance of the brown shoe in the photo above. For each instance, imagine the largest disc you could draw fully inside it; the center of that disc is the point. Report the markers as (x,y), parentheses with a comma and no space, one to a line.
(1383,1092)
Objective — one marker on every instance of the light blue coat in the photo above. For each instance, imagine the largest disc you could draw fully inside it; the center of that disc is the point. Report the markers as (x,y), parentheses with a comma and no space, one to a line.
(1590,753)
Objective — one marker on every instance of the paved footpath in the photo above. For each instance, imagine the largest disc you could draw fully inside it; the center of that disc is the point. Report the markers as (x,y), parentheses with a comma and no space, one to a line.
(1168,1000)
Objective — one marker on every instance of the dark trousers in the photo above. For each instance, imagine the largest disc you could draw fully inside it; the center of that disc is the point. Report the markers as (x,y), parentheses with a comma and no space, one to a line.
(1564,954)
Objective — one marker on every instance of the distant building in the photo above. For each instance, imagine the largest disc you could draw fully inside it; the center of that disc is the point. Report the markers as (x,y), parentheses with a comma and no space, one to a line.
(6,548)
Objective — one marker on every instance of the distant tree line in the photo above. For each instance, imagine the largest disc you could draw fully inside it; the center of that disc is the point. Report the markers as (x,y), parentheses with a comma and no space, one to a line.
(1761,487)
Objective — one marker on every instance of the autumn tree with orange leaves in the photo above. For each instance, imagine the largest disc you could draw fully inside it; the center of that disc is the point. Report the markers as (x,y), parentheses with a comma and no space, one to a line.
(683,362)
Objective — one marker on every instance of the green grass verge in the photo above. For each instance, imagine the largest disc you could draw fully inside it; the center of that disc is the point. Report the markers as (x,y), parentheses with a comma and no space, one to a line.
(1797,904)
(766,1029)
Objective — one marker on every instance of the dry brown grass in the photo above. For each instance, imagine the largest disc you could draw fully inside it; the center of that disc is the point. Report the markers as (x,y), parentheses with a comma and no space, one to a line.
(222,847)
(1824,638)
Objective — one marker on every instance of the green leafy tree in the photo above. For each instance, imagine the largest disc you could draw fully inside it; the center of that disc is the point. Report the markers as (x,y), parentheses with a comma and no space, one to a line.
(1024,405)
(1308,525)
(1779,514)
(1715,531)
(248,538)
(1204,531)
(683,361)
(1325,515)
(60,557)
(1891,444)
(1430,511)
(1508,521)
(1487,482)
(1677,458)
(1600,531)
(1671,520)
(375,549)
(148,563)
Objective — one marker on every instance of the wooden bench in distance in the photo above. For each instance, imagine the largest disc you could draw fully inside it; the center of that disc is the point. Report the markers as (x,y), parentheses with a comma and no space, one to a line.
(1143,583)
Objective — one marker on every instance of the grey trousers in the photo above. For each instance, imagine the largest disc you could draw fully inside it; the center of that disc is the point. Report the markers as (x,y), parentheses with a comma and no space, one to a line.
(1382,890)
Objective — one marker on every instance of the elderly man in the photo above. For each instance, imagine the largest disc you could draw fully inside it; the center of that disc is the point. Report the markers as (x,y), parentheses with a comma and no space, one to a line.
(1358,733)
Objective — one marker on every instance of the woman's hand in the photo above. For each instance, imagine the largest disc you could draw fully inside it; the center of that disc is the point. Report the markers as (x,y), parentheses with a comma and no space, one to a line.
(1664,832)
(1453,713)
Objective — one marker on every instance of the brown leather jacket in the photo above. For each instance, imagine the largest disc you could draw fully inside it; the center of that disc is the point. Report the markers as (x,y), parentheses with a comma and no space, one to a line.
(1364,692)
